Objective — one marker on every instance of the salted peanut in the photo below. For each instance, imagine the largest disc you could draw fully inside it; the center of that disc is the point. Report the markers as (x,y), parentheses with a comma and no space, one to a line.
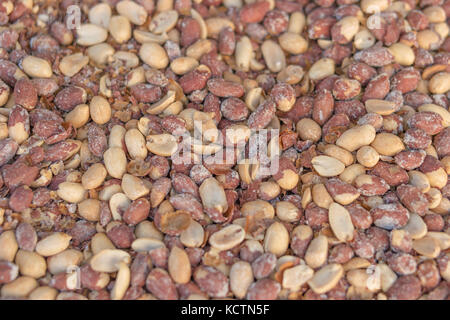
(381,107)
(71,192)
(122,282)
(89,209)
(351,172)
(146,229)
(269,189)
(100,242)
(340,222)
(89,34)
(241,277)
(387,144)
(419,180)
(326,278)
(427,246)
(308,129)
(100,110)
(133,11)
(273,56)
(320,196)
(327,166)
(36,67)
(43,293)
(317,252)
(356,137)
(287,211)
(292,74)
(367,156)
(193,236)
(437,109)
(243,53)
(258,208)
(434,196)
(213,195)
(297,22)
(248,170)
(294,278)
(100,14)
(254,98)
(64,261)
(53,244)
(428,39)
(79,116)
(94,176)
(115,162)
(19,288)
(146,244)
(127,59)
(109,260)
(120,28)
(135,143)
(72,64)
(162,144)
(183,65)
(403,54)
(276,239)
(288,180)
(8,246)
(293,43)
(440,83)
(416,227)
(31,264)
(179,266)
(133,187)
(321,69)
(154,55)
(338,153)
(363,39)
(161,105)
(227,238)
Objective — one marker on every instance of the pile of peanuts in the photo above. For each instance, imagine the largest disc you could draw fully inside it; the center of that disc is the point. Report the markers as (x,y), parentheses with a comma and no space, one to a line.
(97,97)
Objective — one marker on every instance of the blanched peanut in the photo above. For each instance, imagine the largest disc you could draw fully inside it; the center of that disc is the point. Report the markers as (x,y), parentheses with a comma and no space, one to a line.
(133,11)
(89,34)
(340,222)
(227,238)
(100,14)
(273,56)
(135,143)
(100,110)
(276,239)
(31,264)
(241,277)
(440,83)
(36,67)
(367,156)
(356,137)
(71,65)
(19,288)
(327,166)
(8,246)
(338,153)
(317,252)
(387,144)
(308,129)
(43,293)
(293,43)
(154,55)
(402,53)
(179,266)
(321,69)
(183,65)
(89,209)
(71,192)
(79,116)
(320,196)
(115,162)
(53,244)
(120,29)
(134,187)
